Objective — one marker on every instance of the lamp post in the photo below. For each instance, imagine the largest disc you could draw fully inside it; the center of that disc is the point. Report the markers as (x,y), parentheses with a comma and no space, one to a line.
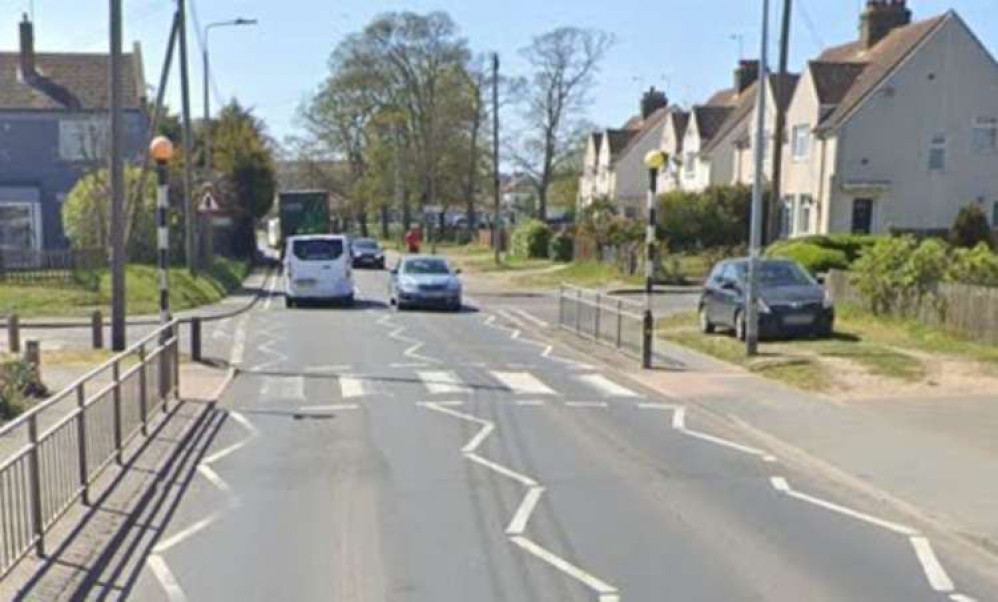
(161,151)
(755,235)
(207,100)
(654,160)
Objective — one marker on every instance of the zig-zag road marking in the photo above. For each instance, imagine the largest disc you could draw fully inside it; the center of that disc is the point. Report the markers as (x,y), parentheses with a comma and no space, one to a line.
(516,335)
(412,351)
(518,524)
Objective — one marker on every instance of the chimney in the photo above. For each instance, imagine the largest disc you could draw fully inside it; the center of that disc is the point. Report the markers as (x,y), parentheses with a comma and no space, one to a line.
(880,18)
(651,101)
(27,63)
(746,74)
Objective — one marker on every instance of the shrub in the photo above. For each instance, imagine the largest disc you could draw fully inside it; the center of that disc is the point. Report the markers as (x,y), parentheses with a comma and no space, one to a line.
(896,274)
(977,266)
(562,247)
(717,217)
(844,246)
(531,239)
(815,258)
(18,382)
(970,228)
(86,214)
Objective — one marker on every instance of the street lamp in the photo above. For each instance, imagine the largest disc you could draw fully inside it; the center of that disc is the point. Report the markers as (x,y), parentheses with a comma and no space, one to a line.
(207,101)
(161,151)
(755,236)
(654,161)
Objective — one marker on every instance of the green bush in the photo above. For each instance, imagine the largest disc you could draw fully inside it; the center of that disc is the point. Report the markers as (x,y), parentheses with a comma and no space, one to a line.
(970,228)
(897,274)
(977,266)
(562,247)
(531,240)
(815,258)
(86,214)
(847,246)
(18,383)
(716,217)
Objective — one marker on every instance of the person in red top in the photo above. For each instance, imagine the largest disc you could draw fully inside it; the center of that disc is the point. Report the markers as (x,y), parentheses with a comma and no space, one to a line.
(413,238)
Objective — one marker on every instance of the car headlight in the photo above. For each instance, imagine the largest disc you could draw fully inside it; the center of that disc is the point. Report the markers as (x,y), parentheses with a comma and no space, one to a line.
(407,285)
(763,307)
(827,302)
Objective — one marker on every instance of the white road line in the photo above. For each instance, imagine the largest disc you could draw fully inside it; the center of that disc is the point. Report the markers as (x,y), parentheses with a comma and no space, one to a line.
(331,368)
(529,402)
(532,318)
(284,387)
(519,523)
(522,383)
(334,407)
(525,480)
(230,374)
(215,457)
(934,571)
(442,382)
(961,598)
(241,419)
(442,404)
(185,533)
(657,406)
(606,386)
(593,583)
(472,445)
(679,419)
(166,578)
(781,485)
(239,342)
(352,387)
(587,404)
(408,365)
(207,472)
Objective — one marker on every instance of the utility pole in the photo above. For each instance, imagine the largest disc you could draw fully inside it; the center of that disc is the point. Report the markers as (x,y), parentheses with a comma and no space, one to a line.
(751,310)
(118,335)
(190,221)
(496,220)
(773,225)
(397,164)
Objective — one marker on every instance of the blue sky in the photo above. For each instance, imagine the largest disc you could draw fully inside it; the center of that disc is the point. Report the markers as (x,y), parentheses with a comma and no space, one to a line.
(684,46)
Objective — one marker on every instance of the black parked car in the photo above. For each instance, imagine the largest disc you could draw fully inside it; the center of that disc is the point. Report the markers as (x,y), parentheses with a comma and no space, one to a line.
(367,253)
(791,302)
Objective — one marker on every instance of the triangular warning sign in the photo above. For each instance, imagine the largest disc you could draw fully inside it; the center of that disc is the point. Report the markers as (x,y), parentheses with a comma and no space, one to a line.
(208,204)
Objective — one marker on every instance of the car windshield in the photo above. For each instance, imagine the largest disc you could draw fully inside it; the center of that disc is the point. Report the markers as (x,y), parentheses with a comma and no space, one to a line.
(416,267)
(318,249)
(367,244)
(782,273)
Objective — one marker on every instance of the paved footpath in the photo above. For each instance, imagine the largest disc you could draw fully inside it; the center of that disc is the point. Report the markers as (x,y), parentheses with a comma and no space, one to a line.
(372,455)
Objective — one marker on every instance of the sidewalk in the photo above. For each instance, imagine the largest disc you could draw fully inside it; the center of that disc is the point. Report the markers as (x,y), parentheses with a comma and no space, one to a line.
(936,458)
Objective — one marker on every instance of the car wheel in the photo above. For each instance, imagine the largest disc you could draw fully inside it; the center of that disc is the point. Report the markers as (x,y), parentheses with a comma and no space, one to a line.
(349,301)
(289,302)
(706,326)
(740,328)
(456,306)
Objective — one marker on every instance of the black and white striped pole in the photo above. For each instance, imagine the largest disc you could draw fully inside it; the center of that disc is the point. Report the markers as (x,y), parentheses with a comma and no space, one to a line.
(654,160)
(161,150)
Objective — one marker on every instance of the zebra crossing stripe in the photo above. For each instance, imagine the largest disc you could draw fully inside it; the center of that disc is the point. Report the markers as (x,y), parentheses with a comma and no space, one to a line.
(522,383)
(442,382)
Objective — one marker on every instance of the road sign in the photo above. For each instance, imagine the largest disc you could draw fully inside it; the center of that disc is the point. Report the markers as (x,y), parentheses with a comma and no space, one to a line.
(208,204)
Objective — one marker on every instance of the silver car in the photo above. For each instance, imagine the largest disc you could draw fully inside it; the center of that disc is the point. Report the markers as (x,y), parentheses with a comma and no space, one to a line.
(424,281)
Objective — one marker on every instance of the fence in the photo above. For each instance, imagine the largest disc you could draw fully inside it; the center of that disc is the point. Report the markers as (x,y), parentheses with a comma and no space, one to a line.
(18,265)
(964,310)
(627,257)
(605,319)
(50,456)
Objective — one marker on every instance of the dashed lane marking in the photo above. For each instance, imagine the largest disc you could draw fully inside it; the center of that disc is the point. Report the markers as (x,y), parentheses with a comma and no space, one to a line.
(606,386)
(522,383)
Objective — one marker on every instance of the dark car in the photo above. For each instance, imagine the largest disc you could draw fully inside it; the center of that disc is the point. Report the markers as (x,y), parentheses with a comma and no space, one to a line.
(791,302)
(367,253)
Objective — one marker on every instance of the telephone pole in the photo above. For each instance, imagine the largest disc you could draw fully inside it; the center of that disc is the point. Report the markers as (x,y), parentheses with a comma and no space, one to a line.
(496,220)
(190,221)
(118,325)
(751,309)
(775,202)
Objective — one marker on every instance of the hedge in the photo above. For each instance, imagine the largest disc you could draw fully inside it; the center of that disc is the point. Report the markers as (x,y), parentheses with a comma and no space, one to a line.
(531,240)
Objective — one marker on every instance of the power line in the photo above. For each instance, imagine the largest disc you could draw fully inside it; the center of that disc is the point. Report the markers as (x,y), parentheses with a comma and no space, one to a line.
(201,42)
(811,28)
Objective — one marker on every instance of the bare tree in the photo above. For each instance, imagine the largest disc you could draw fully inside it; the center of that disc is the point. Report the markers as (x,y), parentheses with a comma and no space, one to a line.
(564,63)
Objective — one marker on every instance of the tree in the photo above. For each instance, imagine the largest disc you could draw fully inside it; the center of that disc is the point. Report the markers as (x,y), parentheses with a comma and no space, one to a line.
(86,215)
(243,155)
(564,63)
(970,228)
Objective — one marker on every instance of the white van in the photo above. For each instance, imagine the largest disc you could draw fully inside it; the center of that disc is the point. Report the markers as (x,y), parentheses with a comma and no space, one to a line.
(317,267)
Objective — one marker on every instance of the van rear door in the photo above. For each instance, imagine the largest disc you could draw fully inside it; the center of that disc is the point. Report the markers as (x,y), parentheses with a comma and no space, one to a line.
(319,264)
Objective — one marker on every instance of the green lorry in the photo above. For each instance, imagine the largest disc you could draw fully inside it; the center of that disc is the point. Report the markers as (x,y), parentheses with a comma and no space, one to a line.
(302,212)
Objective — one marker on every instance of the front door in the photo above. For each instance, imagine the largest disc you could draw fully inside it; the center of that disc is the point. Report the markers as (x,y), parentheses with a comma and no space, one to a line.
(862,216)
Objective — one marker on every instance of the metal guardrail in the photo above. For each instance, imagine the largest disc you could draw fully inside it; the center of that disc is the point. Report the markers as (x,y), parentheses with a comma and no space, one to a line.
(51,455)
(603,318)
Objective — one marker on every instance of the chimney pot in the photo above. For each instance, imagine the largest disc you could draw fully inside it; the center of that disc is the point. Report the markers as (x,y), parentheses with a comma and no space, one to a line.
(651,101)
(746,74)
(27,57)
(880,18)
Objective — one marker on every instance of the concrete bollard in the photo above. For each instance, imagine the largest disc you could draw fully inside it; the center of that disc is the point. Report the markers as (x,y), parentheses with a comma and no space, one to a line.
(33,356)
(196,339)
(13,334)
(97,329)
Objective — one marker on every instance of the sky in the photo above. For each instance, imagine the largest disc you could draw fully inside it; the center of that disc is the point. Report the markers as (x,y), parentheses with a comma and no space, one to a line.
(686,47)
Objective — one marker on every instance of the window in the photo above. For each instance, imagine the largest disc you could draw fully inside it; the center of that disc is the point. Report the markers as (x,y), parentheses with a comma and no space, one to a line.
(862,216)
(83,139)
(801,141)
(318,249)
(786,216)
(937,153)
(804,214)
(985,136)
(691,164)
(20,226)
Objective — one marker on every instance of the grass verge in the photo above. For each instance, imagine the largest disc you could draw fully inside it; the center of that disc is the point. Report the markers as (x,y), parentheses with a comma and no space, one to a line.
(92,291)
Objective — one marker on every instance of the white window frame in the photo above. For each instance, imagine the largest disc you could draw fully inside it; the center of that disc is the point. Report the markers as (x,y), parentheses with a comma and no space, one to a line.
(787,222)
(805,214)
(985,127)
(35,215)
(937,145)
(801,141)
(690,166)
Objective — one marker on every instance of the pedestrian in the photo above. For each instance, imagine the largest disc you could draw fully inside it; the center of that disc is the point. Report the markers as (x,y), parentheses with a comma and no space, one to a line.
(413,238)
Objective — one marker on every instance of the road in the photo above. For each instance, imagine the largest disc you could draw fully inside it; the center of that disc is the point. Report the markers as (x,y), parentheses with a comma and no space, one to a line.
(369,455)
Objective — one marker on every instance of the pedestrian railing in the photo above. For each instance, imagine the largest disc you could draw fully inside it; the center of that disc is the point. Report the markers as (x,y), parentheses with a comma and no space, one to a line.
(51,455)
(607,319)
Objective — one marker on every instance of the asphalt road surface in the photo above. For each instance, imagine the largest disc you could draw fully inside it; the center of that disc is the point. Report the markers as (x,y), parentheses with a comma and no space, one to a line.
(369,455)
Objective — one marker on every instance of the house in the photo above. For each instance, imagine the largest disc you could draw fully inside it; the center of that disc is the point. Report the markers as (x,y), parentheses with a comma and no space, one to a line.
(894,131)
(54,127)
(741,132)
(612,150)
(671,143)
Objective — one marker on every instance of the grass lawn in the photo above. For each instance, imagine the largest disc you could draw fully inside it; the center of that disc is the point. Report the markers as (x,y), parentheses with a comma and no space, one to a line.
(92,291)
(862,344)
